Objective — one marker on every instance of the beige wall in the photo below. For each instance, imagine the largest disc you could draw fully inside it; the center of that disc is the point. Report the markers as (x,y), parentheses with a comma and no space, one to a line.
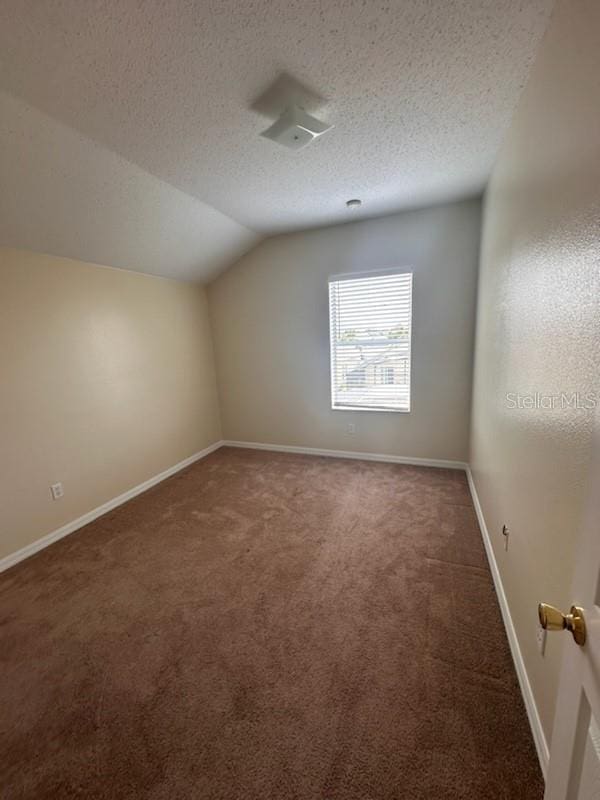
(271,331)
(538,329)
(107,378)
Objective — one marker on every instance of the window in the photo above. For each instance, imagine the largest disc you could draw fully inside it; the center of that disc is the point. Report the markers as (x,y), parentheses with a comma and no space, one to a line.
(370,319)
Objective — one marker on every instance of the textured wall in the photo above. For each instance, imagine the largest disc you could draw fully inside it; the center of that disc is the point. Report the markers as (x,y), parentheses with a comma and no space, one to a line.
(107,379)
(271,330)
(539,329)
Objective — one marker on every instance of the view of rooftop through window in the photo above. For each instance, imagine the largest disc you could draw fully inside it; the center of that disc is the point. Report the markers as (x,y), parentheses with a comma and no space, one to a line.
(370,336)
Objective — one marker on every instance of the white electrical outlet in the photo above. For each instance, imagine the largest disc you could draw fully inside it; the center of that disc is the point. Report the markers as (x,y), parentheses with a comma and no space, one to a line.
(57,491)
(351,428)
(540,635)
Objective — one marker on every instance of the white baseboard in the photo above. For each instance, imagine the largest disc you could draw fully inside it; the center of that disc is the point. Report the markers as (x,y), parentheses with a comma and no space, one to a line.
(316,451)
(534,718)
(70,527)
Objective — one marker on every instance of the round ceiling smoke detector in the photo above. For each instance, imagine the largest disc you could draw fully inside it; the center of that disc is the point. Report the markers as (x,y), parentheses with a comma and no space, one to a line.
(355,203)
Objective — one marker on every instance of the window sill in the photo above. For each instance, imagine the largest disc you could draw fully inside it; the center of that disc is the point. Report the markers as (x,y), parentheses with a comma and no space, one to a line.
(371,408)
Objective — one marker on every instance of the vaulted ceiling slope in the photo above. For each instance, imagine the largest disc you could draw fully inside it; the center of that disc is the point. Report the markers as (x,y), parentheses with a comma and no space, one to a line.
(63,194)
(126,125)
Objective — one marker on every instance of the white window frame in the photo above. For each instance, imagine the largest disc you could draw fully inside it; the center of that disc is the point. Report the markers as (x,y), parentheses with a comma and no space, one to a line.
(370,274)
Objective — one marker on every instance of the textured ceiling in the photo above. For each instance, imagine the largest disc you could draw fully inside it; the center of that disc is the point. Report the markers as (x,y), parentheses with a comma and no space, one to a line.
(61,193)
(420,94)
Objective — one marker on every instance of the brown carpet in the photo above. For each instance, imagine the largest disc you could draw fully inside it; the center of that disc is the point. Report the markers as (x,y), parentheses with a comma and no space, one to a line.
(262,626)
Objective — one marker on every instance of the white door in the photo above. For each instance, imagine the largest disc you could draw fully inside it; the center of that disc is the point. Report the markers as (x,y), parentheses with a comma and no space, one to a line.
(574,772)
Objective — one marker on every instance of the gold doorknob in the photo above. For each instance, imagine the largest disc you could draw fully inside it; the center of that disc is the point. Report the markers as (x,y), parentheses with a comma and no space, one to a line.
(551,619)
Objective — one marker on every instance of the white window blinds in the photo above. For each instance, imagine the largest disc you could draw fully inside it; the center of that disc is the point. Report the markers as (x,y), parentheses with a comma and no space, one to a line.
(370,330)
